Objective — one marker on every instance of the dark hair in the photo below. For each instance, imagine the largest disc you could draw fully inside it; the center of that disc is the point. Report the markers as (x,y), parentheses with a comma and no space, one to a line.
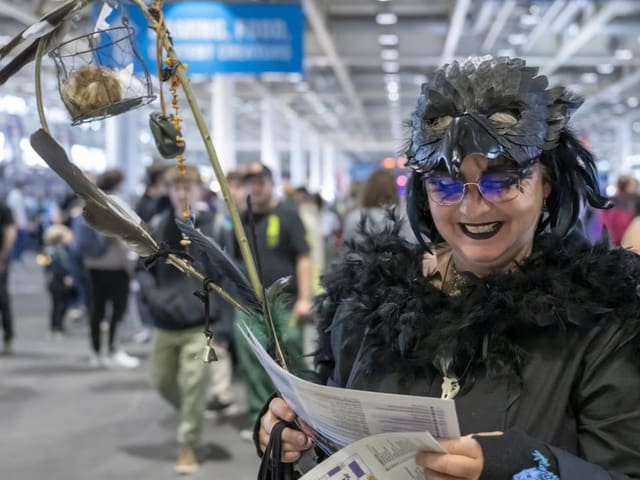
(109,180)
(573,176)
(380,189)
(156,170)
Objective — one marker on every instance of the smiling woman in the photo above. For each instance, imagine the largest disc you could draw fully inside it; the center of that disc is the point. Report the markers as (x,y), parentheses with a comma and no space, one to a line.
(537,329)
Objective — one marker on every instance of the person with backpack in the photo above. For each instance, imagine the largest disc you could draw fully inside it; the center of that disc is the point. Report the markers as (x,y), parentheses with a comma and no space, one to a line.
(106,260)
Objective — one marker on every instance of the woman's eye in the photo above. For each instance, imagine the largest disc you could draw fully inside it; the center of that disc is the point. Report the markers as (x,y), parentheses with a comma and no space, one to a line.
(503,119)
(440,123)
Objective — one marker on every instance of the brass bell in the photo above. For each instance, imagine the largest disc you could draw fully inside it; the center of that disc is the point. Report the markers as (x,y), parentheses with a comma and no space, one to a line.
(208,353)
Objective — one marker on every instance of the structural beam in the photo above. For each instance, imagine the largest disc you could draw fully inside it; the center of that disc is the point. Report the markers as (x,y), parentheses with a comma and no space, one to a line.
(21,15)
(498,25)
(455,30)
(542,26)
(591,28)
(341,72)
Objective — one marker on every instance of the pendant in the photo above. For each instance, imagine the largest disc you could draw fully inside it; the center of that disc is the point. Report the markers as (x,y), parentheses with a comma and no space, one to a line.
(208,354)
(450,388)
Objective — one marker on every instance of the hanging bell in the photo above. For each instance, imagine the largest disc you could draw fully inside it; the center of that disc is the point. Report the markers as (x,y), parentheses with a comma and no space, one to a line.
(208,353)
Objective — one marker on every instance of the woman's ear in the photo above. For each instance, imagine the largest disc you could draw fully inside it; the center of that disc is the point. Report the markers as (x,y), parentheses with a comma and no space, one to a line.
(546,188)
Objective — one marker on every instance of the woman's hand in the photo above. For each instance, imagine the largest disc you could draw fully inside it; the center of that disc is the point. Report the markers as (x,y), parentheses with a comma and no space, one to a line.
(463,460)
(294,442)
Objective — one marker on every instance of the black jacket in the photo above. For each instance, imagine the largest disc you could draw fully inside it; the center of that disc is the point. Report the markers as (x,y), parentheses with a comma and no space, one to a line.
(551,349)
(166,290)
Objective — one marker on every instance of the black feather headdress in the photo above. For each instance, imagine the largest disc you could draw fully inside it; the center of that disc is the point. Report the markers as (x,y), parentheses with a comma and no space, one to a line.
(499,108)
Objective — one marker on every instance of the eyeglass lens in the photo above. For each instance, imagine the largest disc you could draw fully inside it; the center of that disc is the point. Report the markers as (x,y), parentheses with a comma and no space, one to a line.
(495,188)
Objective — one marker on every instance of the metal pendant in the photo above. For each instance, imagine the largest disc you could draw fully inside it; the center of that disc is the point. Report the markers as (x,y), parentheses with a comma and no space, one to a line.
(208,353)
(450,387)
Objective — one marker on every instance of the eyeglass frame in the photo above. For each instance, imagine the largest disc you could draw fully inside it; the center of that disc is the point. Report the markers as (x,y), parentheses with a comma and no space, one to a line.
(518,174)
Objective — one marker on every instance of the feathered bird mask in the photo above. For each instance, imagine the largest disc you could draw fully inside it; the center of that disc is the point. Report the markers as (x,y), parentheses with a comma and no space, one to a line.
(486,105)
(499,107)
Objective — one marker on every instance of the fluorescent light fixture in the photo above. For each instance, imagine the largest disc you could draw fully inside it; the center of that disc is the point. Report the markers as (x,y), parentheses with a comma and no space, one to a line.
(390,67)
(386,18)
(589,77)
(389,54)
(388,39)
(623,54)
(507,52)
(529,20)
(573,29)
(517,39)
(392,87)
(605,68)
(633,102)
(393,96)
(392,77)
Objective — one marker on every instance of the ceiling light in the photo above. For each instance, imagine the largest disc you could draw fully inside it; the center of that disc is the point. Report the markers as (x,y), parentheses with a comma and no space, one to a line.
(390,67)
(392,87)
(392,77)
(386,18)
(589,77)
(388,39)
(633,102)
(389,54)
(605,68)
(529,20)
(383,1)
(393,96)
(507,52)
(573,29)
(623,54)
(517,39)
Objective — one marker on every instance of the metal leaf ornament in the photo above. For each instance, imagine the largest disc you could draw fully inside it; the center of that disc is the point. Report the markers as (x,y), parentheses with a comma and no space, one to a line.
(103,212)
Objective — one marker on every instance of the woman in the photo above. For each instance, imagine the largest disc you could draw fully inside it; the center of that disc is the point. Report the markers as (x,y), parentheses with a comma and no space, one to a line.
(530,328)
(379,192)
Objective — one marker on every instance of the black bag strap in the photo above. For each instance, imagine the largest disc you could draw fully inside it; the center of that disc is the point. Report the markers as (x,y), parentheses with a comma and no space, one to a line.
(272,467)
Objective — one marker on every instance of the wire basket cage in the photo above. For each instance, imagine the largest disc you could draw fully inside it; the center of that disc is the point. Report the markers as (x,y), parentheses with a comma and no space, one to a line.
(101,74)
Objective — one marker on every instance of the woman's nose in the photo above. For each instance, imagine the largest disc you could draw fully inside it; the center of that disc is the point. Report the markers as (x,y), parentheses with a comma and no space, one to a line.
(473,203)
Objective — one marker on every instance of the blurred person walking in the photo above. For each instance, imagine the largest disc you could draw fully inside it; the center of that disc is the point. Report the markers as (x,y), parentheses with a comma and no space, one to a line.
(179,374)
(618,218)
(107,262)
(378,192)
(221,400)
(153,202)
(283,252)
(59,274)
(9,234)
(17,203)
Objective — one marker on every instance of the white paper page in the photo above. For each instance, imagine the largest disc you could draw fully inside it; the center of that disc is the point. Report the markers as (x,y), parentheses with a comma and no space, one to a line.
(386,456)
(336,417)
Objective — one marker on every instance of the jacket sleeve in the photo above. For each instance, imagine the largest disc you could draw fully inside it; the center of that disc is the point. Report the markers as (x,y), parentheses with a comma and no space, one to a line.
(606,402)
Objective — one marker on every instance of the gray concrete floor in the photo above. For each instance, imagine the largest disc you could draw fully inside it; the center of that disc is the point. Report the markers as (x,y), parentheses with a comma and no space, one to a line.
(61,420)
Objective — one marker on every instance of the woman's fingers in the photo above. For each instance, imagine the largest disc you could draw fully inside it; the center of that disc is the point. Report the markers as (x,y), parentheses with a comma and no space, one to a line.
(448,465)
(293,441)
(463,459)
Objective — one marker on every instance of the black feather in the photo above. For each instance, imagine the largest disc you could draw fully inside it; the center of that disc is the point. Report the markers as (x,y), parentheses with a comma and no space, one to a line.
(104,213)
(218,266)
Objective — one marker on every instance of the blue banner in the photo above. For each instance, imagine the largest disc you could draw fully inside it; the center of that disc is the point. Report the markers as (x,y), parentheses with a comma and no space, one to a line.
(216,38)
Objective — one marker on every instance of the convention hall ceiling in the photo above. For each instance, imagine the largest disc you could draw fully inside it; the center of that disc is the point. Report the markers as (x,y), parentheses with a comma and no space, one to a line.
(365,59)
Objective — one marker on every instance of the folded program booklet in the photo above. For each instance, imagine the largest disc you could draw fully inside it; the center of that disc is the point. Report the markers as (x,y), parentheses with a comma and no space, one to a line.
(385,456)
(337,417)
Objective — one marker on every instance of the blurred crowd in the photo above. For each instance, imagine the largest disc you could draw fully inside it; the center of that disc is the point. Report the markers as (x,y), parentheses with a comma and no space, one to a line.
(96,280)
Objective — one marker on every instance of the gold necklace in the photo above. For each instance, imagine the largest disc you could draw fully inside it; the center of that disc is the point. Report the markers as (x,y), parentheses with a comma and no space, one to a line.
(452,284)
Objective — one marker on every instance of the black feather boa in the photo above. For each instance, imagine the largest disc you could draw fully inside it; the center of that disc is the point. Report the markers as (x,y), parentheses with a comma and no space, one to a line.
(378,290)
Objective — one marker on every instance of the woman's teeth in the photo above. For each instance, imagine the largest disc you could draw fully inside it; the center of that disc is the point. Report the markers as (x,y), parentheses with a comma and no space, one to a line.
(484,228)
